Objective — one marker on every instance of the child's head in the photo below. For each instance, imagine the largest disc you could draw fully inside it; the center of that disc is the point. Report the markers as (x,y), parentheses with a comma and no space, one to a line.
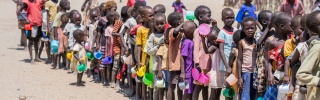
(274,16)
(79,36)
(227,16)
(236,37)
(159,22)
(72,12)
(94,15)
(313,22)
(203,14)
(213,35)
(249,26)
(178,1)
(264,18)
(130,12)
(110,6)
(64,4)
(64,19)
(159,8)
(77,19)
(112,16)
(188,29)
(283,23)
(137,7)
(296,26)
(101,9)
(248,1)
(175,19)
(147,14)
(139,19)
(124,12)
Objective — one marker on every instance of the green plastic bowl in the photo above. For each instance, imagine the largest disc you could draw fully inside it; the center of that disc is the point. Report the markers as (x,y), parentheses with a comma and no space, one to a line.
(190,15)
(228,92)
(148,79)
(90,56)
(82,67)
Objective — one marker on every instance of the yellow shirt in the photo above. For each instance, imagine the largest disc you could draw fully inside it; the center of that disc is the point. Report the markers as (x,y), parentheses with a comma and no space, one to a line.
(141,40)
(52,8)
(57,20)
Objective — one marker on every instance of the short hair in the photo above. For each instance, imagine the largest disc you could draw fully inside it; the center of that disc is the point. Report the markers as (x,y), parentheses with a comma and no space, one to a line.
(141,11)
(160,15)
(274,16)
(247,19)
(225,10)
(313,21)
(94,10)
(78,34)
(124,11)
(139,4)
(173,17)
(129,12)
(214,28)
(159,8)
(109,4)
(72,12)
(282,18)
(65,16)
(296,20)
(63,3)
(199,10)
(112,14)
(303,21)
(263,15)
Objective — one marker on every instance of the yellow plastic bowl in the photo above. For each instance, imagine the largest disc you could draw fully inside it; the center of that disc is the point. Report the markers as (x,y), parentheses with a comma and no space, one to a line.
(142,71)
(69,55)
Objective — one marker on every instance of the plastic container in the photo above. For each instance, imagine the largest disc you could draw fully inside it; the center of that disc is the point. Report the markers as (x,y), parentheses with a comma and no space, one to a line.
(190,15)
(87,46)
(195,73)
(54,51)
(54,44)
(148,79)
(90,56)
(133,70)
(127,59)
(231,79)
(183,85)
(27,27)
(228,92)
(260,98)
(284,88)
(107,60)
(69,55)
(98,55)
(141,71)
(203,78)
(160,84)
(204,29)
(81,67)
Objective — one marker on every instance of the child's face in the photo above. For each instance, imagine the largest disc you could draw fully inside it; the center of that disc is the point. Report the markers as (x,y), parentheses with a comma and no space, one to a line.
(249,28)
(188,29)
(286,28)
(94,16)
(77,19)
(228,18)
(265,22)
(147,15)
(297,30)
(205,17)
(159,24)
(212,37)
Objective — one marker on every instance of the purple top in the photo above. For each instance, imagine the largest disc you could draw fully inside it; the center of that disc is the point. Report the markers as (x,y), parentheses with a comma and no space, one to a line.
(187,54)
(178,7)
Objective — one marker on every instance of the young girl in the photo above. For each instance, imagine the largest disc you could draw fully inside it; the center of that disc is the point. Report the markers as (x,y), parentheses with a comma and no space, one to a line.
(245,65)
(62,39)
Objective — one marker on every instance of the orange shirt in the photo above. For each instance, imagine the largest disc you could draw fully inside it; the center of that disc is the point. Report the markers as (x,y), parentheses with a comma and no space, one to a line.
(116,39)
(174,51)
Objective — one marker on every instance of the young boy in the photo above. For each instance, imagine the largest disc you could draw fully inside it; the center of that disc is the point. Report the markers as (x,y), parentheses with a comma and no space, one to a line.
(163,65)
(86,7)
(159,8)
(178,6)
(246,10)
(79,54)
(21,24)
(292,7)
(66,31)
(308,73)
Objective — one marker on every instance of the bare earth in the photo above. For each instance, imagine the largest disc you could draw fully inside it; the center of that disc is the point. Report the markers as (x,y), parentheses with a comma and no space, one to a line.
(39,82)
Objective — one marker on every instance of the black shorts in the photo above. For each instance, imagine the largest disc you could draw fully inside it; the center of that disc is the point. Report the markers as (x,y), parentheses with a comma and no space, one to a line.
(38,35)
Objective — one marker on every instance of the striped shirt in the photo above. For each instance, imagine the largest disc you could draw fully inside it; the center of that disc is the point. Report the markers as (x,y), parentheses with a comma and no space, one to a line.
(116,39)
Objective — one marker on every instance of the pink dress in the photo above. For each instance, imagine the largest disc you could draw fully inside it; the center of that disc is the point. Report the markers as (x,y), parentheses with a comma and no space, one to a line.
(215,74)
(199,56)
(63,41)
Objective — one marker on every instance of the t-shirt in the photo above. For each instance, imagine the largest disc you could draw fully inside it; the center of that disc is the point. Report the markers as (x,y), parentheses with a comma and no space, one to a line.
(187,54)
(57,20)
(34,12)
(295,9)
(68,27)
(92,26)
(52,8)
(174,53)
(226,38)
(130,23)
(72,40)
(141,39)
(152,48)
(116,39)
(178,7)
(163,52)
(81,53)
(246,11)
(44,26)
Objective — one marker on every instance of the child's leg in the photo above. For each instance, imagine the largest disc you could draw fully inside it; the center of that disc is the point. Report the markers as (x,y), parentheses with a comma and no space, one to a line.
(79,79)
(170,92)
(55,59)
(205,92)
(138,87)
(41,48)
(174,80)
(30,50)
(59,61)
(213,94)
(109,68)
(150,93)
(161,93)
(115,71)
(48,49)
(144,92)
(36,49)
(24,38)
(196,92)
(101,75)
(179,93)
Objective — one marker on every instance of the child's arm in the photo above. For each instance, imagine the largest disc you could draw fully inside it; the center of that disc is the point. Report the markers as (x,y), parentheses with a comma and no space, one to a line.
(263,36)
(177,30)
(207,50)
(268,64)
(223,58)
(239,17)
(258,24)
(232,57)
(94,40)
(239,64)
(182,74)
(23,6)
(159,67)
(151,47)
(123,32)
(84,5)
(139,46)
(310,64)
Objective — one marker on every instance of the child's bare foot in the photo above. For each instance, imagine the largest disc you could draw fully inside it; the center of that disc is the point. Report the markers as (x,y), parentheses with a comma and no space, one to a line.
(37,60)
(80,84)
(32,62)
(112,85)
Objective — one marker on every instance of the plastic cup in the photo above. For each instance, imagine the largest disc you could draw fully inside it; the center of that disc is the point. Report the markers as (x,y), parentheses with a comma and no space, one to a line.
(69,55)
(183,85)
(204,79)
(204,29)
(54,50)
(141,71)
(87,46)
(228,92)
(284,88)
(160,83)
(98,55)
(28,27)
(54,44)
(107,60)
(195,73)
(148,79)
(231,79)
(190,15)
(82,67)
(133,70)
(90,56)
(260,98)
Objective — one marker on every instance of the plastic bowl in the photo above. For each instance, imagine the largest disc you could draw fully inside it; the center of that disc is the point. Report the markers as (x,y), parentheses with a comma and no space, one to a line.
(190,15)
(69,55)
(87,46)
(204,79)
(54,44)
(107,60)
(231,79)
(195,73)
(28,27)
(98,55)
(141,71)
(148,79)
(204,29)
(82,67)
(90,56)
(228,92)
(183,85)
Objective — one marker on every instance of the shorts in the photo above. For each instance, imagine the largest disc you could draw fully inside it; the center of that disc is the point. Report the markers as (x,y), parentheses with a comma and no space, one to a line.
(248,92)
(116,62)
(35,33)
(191,85)
(174,77)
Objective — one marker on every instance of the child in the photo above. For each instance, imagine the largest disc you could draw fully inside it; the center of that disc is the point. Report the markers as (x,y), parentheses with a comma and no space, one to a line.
(86,7)
(62,38)
(244,64)
(155,40)
(33,8)
(203,14)
(178,6)
(264,18)
(246,10)
(66,31)
(79,53)
(21,24)
(159,8)
(308,72)
(176,67)
(64,6)
(292,7)
(233,62)
(142,35)
(186,53)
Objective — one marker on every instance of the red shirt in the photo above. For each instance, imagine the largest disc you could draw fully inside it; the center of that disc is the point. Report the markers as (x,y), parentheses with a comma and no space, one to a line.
(34,12)
(166,26)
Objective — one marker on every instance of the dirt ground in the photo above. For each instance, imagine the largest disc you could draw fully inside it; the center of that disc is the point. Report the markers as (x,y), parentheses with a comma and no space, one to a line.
(39,82)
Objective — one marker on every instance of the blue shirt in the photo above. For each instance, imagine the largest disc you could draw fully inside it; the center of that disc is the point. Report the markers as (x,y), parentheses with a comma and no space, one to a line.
(246,11)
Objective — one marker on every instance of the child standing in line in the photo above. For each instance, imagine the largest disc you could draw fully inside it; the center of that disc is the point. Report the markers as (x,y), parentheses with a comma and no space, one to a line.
(143,32)
(308,73)
(176,67)
(66,31)
(63,39)
(244,64)
(292,7)
(200,58)
(178,6)
(21,24)
(246,10)
(159,8)
(79,54)
(86,7)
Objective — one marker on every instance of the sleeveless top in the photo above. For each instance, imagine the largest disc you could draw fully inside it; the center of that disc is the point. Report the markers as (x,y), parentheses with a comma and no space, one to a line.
(247,65)
(275,55)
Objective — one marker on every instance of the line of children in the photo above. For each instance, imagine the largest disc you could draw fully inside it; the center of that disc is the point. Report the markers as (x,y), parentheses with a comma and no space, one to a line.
(258,60)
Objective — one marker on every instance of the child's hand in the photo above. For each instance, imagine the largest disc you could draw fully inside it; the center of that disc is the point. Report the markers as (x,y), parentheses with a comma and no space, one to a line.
(285,79)
(82,8)
(240,83)
(270,80)
(159,75)
(213,22)
(228,71)
(182,76)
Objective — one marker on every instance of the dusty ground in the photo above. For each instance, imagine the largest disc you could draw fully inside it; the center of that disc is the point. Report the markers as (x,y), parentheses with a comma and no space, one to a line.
(39,82)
